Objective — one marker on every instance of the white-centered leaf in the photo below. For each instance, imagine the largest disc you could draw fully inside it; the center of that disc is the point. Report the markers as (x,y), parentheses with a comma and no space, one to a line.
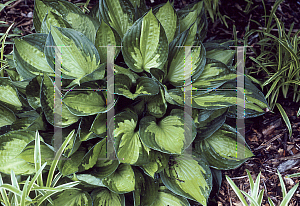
(167,135)
(145,44)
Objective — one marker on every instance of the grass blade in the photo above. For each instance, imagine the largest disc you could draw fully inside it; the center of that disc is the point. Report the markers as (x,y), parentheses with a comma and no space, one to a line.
(237,191)
(285,118)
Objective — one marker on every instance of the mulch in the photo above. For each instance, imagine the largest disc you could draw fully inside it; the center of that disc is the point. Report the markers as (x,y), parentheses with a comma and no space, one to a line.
(266,135)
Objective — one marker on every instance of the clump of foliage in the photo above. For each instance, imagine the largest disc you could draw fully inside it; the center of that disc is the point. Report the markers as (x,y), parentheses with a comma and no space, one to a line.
(277,61)
(256,196)
(152,165)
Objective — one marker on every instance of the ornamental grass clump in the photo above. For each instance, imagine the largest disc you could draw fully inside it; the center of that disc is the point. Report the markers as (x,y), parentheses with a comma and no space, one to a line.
(150,126)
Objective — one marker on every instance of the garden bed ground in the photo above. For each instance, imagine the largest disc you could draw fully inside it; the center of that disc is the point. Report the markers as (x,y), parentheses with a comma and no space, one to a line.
(266,135)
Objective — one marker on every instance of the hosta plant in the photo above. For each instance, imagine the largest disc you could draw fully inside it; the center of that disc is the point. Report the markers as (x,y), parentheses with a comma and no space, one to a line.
(152,165)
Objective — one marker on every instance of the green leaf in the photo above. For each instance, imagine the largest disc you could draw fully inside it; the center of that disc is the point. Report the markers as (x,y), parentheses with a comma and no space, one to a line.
(122,180)
(52,19)
(146,189)
(236,190)
(105,36)
(124,87)
(188,178)
(214,75)
(220,149)
(168,19)
(31,64)
(91,157)
(79,55)
(47,153)
(118,14)
(11,145)
(129,148)
(220,53)
(33,92)
(132,75)
(177,58)
(193,14)
(167,135)
(285,118)
(145,45)
(70,166)
(7,117)
(47,102)
(158,161)
(8,94)
(73,197)
(209,121)
(157,105)
(105,197)
(99,125)
(104,168)
(58,7)
(84,103)
(166,197)
(29,120)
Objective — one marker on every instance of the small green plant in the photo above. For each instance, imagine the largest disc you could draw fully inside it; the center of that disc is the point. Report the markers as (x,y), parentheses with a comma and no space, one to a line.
(256,196)
(278,58)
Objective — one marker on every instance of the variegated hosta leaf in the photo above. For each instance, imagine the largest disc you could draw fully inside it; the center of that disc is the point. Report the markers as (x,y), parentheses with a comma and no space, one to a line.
(47,153)
(42,7)
(193,14)
(70,166)
(121,70)
(122,180)
(129,148)
(104,167)
(31,64)
(7,117)
(118,14)
(209,121)
(225,96)
(146,188)
(106,36)
(9,94)
(157,74)
(72,197)
(67,14)
(99,125)
(220,53)
(214,75)
(145,45)
(96,158)
(84,103)
(157,162)
(123,86)
(188,178)
(168,19)
(169,135)
(33,92)
(177,71)
(79,56)
(47,102)
(52,19)
(220,149)
(11,145)
(105,197)
(166,197)
(91,157)
(29,120)
(157,105)
(255,102)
